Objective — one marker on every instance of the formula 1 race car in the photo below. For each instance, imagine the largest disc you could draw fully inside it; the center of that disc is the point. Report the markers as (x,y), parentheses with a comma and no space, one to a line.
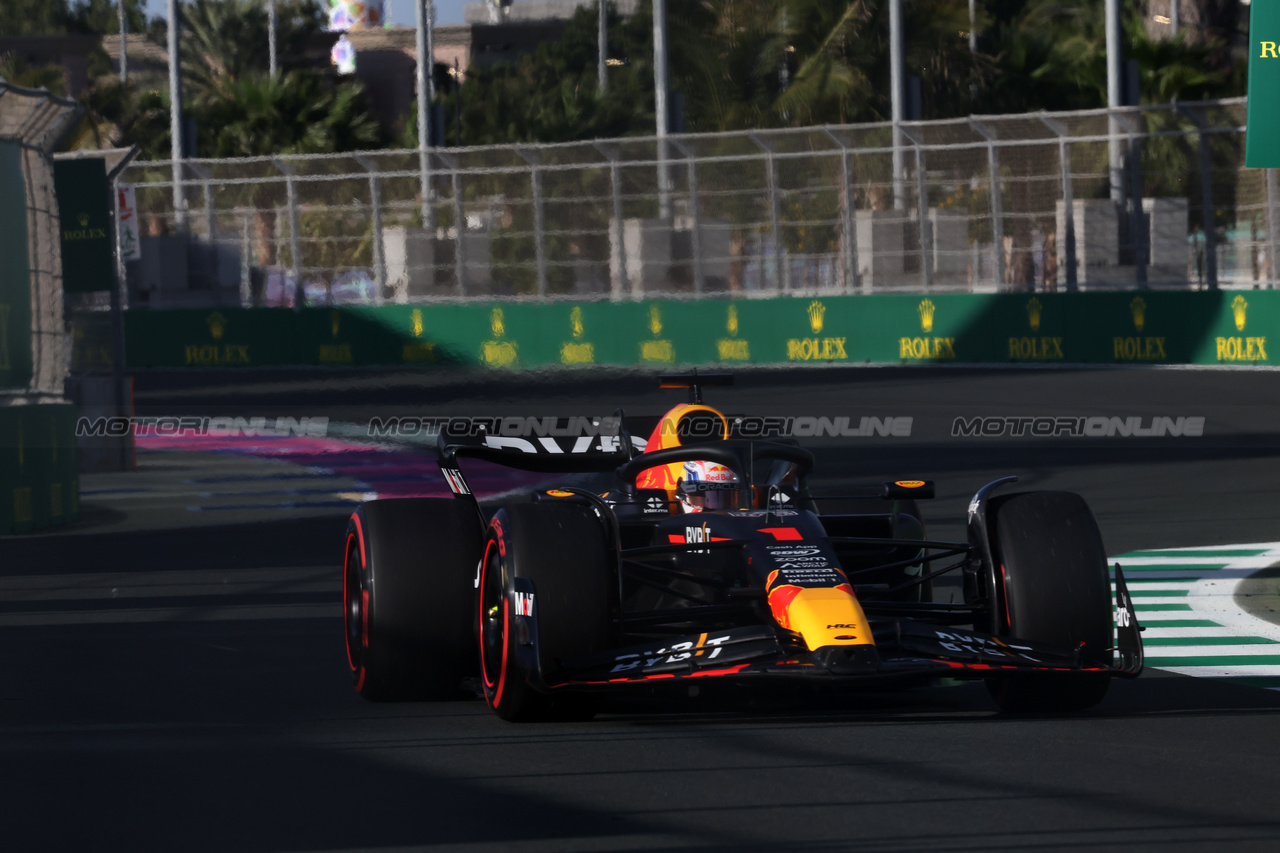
(710,561)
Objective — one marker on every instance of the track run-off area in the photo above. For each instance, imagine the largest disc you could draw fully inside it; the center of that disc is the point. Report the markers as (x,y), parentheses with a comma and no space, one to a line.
(177,680)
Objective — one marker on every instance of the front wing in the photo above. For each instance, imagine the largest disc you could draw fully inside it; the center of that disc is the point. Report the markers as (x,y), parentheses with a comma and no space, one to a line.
(904,649)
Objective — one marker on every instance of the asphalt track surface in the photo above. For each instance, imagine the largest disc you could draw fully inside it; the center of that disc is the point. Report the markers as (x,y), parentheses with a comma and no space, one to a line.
(182,685)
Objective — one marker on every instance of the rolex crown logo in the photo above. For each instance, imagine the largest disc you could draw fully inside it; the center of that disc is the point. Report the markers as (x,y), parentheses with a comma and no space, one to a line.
(495,323)
(1033,313)
(816,312)
(1139,308)
(1238,309)
(655,320)
(926,310)
(416,319)
(83,219)
(217,324)
(575,321)
(732,323)
(334,319)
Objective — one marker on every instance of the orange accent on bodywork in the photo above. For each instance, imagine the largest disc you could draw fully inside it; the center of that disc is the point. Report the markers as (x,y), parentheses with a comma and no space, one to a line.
(780,603)
(783,534)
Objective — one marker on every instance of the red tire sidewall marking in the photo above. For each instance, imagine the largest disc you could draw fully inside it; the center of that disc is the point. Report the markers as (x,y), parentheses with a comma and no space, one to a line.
(484,572)
(346,601)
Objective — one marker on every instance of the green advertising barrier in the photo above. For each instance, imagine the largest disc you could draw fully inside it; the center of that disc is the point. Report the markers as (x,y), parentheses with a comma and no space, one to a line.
(39,467)
(15,275)
(1135,327)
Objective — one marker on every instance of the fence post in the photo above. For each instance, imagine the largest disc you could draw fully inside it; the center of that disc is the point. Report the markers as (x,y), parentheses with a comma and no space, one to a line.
(699,275)
(1273,227)
(922,212)
(781,273)
(246,280)
(295,263)
(539,249)
(459,225)
(618,271)
(375,201)
(848,216)
(1136,230)
(1207,206)
(997,204)
(1068,203)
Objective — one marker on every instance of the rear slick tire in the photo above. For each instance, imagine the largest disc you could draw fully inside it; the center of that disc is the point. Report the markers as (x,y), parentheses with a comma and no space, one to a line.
(563,549)
(408,592)
(1051,569)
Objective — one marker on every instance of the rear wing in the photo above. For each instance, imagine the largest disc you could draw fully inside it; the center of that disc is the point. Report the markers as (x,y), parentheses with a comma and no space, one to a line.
(569,446)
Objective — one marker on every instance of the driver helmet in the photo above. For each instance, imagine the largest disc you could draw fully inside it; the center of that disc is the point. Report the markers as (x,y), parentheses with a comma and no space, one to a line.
(707,485)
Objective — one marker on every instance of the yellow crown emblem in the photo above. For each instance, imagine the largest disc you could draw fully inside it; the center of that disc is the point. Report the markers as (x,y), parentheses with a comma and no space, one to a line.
(1033,313)
(575,321)
(732,323)
(1238,309)
(816,312)
(495,323)
(1139,308)
(926,310)
(416,319)
(334,318)
(655,320)
(217,325)
(83,220)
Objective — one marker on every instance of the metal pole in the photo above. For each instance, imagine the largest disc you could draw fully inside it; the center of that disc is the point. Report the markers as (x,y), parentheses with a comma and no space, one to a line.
(602,46)
(1174,16)
(271,36)
(660,88)
(379,258)
(617,275)
(246,283)
(295,265)
(848,214)
(1273,227)
(1115,99)
(1136,231)
(1068,203)
(781,275)
(973,23)
(699,275)
(997,210)
(426,59)
(895,100)
(117,323)
(460,238)
(540,252)
(124,42)
(175,117)
(922,213)
(1208,210)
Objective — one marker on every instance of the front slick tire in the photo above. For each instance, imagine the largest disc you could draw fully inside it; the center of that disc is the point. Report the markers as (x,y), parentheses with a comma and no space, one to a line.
(407,585)
(562,548)
(1049,554)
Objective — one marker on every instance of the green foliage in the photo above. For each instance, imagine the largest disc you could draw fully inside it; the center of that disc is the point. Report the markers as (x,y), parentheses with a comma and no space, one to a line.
(301,112)
(223,41)
(18,72)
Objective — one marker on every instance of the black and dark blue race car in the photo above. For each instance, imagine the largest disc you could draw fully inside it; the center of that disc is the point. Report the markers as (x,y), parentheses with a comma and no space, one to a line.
(708,559)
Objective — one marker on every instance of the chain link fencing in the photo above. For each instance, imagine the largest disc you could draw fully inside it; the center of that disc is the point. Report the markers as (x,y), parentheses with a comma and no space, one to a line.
(1151,196)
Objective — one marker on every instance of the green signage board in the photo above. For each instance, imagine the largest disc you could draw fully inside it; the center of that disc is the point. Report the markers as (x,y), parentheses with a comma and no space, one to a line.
(1148,327)
(15,273)
(1262,127)
(84,217)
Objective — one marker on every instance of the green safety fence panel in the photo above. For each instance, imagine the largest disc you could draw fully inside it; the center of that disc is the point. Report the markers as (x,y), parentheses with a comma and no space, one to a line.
(1134,327)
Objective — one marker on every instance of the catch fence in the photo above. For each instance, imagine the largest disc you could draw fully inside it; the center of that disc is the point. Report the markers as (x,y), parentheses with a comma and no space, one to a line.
(1145,196)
